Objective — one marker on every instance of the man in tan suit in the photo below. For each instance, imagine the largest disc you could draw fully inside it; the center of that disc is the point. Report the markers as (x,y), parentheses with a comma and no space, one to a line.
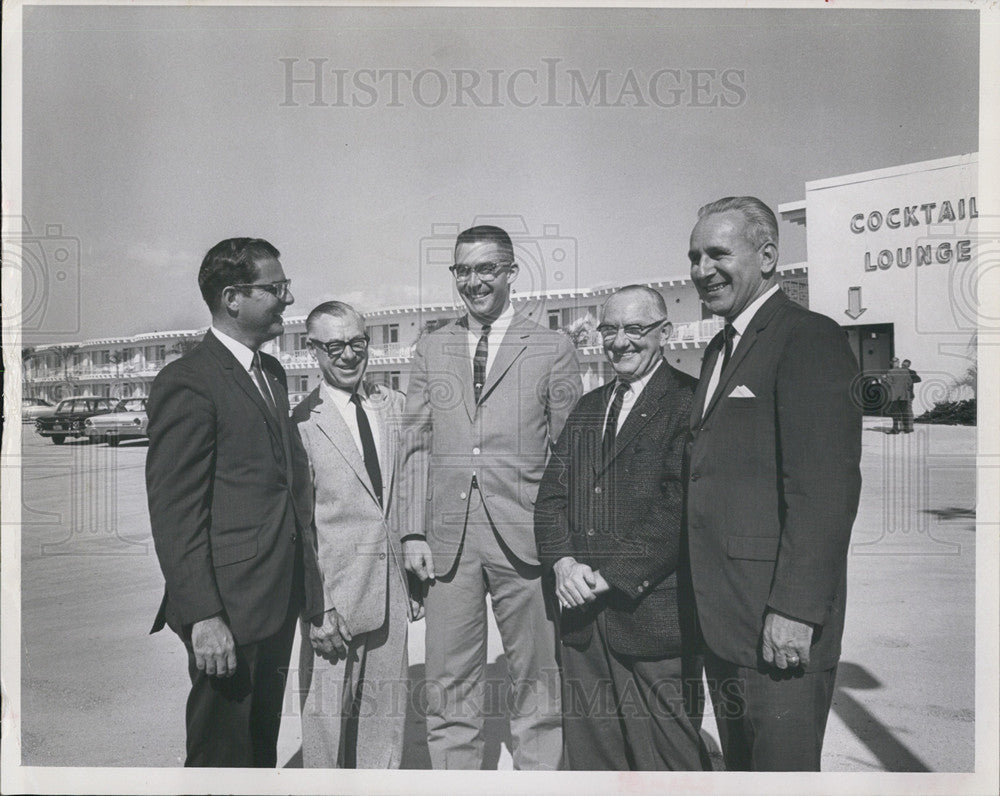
(353,667)
(487,396)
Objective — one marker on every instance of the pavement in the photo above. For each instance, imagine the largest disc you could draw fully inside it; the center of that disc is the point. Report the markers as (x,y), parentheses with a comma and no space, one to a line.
(98,690)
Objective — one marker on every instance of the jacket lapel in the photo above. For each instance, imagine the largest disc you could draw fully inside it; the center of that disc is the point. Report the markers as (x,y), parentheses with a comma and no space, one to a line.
(746,342)
(645,409)
(245,383)
(509,348)
(331,423)
(458,348)
(387,435)
(700,392)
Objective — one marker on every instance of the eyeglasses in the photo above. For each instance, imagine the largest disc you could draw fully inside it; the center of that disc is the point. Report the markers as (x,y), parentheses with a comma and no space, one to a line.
(334,348)
(280,289)
(633,331)
(486,272)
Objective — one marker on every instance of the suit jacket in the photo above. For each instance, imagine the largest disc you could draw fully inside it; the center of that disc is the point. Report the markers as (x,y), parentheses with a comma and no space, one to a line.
(774,483)
(228,491)
(623,516)
(350,530)
(503,439)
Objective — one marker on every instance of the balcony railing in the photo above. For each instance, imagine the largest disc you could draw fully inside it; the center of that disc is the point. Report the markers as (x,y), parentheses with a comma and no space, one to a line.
(684,335)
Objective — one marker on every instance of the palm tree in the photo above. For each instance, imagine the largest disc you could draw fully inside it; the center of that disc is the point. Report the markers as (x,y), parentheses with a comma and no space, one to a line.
(182,346)
(65,353)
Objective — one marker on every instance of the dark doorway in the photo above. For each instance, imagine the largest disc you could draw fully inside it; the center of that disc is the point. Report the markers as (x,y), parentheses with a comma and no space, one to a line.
(872,345)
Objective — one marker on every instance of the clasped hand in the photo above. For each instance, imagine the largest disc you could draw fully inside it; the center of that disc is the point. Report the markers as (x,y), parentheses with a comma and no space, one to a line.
(577,584)
(330,639)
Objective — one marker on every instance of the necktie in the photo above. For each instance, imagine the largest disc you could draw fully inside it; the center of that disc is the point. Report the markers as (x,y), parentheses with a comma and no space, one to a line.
(265,390)
(728,335)
(479,362)
(368,447)
(611,426)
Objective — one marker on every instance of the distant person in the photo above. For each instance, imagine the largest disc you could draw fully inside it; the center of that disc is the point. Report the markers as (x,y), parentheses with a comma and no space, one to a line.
(899,388)
(772,495)
(908,406)
(487,396)
(608,522)
(354,695)
(228,487)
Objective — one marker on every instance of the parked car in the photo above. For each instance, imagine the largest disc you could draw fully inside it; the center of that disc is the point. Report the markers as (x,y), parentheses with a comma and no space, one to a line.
(127,421)
(68,418)
(34,408)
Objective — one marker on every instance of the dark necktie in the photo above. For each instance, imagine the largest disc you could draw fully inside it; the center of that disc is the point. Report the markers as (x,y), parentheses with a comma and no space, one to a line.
(728,335)
(262,384)
(368,447)
(479,362)
(611,426)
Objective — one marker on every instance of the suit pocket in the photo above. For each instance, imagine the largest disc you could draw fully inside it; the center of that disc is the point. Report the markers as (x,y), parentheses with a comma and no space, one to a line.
(753,548)
(737,402)
(234,553)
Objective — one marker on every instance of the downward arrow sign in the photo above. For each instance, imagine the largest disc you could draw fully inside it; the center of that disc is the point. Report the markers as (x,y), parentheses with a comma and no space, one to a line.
(854,308)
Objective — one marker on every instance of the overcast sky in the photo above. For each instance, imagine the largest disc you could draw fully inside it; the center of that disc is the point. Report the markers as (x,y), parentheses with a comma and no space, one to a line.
(151,133)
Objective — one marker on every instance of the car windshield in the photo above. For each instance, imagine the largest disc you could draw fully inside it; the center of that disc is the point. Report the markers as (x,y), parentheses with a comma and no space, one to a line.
(131,405)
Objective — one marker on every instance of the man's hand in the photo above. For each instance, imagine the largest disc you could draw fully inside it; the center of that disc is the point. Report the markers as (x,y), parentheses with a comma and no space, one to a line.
(416,609)
(575,582)
(417,558)
(785,642)
(600,584)
(331,638)
(214,648)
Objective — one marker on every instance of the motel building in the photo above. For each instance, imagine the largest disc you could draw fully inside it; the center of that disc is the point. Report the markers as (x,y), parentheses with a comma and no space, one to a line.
(891,257)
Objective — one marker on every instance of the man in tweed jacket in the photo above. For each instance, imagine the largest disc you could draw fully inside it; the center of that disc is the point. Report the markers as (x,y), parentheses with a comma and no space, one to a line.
(608,523)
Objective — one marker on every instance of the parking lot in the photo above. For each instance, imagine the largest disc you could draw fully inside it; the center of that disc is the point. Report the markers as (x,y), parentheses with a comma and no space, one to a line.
(98,690)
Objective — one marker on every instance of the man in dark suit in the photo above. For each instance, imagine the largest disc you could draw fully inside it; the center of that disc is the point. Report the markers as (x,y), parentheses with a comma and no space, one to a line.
(772,495)
(487,396)
(608,523)
(228,486)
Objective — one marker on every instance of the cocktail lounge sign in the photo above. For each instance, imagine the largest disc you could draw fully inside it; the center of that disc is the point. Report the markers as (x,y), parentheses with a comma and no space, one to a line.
(924,215)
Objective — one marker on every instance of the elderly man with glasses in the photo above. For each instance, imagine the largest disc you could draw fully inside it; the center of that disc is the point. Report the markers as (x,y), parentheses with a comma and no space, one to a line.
(229,498)
(608,521)
(487,396)
(353,666)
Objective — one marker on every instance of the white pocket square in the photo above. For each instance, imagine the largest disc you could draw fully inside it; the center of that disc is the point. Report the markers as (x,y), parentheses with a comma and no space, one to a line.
(742,392)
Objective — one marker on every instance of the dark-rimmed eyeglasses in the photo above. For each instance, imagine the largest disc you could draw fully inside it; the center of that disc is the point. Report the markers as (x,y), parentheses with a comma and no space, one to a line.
(485,271)
(280,289)
(334,348)
(633,331)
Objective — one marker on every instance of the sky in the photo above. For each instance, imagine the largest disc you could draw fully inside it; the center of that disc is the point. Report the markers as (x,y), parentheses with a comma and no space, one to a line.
(151,133)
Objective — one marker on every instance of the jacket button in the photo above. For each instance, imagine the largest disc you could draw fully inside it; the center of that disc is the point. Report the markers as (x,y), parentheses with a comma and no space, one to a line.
(475,451)
(694,476)
(597,490)
(462,496)
(591,532)
(639,589)
(295,537)
(381,556)
(645,583)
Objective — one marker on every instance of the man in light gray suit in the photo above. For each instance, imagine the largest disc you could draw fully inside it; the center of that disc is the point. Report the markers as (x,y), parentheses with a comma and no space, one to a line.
(487,396)
(353,667)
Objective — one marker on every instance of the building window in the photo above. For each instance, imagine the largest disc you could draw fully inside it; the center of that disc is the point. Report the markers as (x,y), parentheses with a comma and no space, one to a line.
(300,340)
(301,383)
(554,320)
(393,332)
